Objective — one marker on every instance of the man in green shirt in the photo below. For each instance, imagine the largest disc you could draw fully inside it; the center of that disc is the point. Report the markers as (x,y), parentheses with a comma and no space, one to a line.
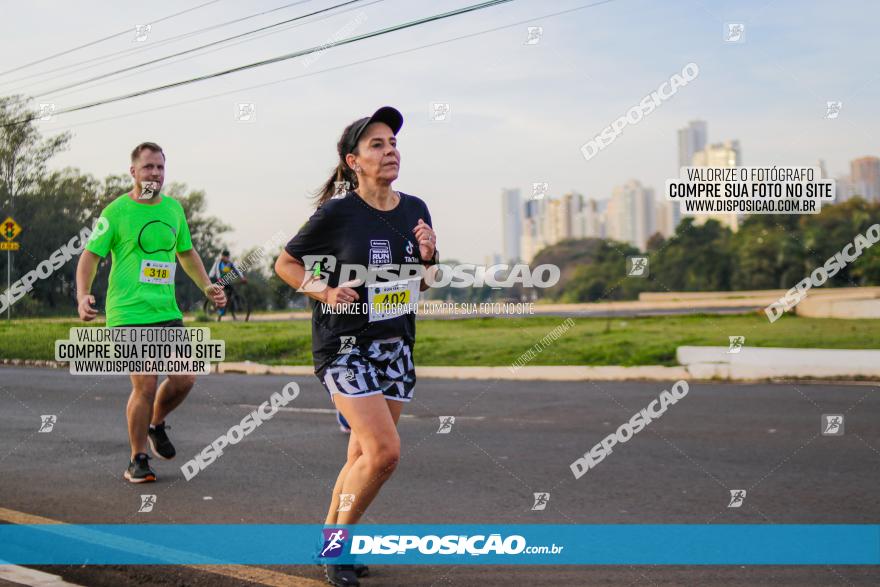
(147,232)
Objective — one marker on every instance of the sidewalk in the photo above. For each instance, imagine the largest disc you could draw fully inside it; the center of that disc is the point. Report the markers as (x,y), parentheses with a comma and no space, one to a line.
(696,363)
(712,363)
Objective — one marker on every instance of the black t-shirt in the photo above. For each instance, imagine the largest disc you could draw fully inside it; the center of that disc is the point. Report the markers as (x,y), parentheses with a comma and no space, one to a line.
(350,231)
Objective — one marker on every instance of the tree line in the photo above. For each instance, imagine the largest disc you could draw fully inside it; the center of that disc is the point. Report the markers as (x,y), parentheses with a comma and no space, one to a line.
(767,252)
(54,205)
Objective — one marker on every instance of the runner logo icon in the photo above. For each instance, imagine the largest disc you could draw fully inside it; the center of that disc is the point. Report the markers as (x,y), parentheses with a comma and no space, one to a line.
(446,423)
(334,542)
(736,344)
(638,266)
(346,344)
(541,501)
(48,423)
(147,503)
(346,500)
(737,497)
(832,424)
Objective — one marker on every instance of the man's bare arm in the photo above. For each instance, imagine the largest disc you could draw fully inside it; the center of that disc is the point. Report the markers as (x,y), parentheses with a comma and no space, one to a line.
(86,269)
(193,266)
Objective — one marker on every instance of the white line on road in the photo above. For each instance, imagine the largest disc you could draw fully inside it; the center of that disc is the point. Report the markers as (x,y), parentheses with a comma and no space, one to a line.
(332,411)
(31,577)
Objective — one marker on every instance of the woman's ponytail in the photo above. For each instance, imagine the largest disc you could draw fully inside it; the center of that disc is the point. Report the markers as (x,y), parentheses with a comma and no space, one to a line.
(342,173)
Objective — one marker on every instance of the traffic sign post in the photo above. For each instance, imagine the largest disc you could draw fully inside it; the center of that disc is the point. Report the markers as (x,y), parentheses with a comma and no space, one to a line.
(9,229)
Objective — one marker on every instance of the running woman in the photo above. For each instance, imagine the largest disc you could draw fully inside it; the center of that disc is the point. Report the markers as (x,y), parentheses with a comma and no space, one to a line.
(363,354)
(146,229)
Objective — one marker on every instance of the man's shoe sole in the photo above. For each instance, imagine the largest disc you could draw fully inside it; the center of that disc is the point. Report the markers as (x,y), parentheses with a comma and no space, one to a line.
(156,452)
(147,479)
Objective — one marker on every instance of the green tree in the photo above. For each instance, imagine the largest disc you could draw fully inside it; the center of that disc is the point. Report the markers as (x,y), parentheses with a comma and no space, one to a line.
(827,233)
(768,252)
(696,258)
(54,206)
(591,270)
(23,151)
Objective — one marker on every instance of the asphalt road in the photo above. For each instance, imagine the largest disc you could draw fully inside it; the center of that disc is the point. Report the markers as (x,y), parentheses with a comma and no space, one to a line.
(509,440)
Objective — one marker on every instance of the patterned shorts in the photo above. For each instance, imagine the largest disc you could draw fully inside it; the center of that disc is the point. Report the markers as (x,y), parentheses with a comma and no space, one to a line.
(382,366)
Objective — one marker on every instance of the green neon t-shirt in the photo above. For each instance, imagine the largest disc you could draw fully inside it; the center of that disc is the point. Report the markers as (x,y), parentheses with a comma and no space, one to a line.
(143,240)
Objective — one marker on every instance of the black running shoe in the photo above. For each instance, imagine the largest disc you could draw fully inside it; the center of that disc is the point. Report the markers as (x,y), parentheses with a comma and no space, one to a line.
(361,570)
(341,575)
(139,470)
(160,443)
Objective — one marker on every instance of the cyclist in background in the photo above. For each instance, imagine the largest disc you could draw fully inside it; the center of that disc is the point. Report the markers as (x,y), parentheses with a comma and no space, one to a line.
(224,272)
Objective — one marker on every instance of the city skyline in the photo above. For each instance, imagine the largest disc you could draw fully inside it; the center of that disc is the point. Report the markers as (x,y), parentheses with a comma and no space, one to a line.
(633,213)
(518,113)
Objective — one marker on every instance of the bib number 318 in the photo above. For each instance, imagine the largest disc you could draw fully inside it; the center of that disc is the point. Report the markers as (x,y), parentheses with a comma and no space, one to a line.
(157,272)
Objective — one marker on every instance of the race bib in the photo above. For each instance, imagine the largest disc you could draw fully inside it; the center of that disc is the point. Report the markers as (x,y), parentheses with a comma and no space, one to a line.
(157,272)
(392,299)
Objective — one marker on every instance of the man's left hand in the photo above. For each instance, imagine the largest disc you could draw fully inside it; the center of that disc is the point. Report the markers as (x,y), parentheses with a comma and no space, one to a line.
(216,294)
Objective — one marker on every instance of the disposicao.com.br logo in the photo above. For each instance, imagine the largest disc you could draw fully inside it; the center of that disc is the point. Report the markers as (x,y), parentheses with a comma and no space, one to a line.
(409,545)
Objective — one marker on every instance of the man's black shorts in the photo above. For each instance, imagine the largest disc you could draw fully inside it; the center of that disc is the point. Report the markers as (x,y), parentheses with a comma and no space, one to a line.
(177,323)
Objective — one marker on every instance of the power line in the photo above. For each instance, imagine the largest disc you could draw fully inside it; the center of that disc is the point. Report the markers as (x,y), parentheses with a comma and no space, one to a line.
(406,25)
(338,67)
(199,48)
(119,54)
(258,37)
(107,38)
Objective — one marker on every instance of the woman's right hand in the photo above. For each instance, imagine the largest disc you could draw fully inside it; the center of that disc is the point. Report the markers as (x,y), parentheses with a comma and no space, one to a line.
(344,294)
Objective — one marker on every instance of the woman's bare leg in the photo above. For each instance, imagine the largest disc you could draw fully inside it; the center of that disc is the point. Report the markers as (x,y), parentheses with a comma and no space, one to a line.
(373,452)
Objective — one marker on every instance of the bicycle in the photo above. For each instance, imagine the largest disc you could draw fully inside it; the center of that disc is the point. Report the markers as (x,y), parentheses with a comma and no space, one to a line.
(235,302)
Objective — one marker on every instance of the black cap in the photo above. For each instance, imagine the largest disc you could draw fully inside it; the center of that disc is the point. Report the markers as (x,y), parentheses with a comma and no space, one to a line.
(390,116)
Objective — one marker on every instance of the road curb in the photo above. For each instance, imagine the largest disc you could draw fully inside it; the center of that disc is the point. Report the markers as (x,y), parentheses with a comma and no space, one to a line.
(550,373)
(698,371)
(34,363)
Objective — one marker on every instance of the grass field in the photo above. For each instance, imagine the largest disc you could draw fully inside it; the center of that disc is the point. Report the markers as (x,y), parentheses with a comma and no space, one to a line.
(500,341)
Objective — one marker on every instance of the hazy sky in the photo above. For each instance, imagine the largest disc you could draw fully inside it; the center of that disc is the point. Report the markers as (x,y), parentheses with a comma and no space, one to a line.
(519,113)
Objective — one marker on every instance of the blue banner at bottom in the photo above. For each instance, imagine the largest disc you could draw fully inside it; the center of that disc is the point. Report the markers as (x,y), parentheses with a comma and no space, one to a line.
(532,544)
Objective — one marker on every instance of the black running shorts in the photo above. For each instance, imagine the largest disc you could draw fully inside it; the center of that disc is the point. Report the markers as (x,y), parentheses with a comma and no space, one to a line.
(378,366)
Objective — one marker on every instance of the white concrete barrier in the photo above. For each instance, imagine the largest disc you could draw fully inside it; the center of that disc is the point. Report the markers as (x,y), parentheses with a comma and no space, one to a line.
(847,308)
(768,362)
(762,294)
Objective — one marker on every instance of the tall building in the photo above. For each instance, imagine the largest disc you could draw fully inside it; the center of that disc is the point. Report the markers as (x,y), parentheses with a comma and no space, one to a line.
(534,235)
(547,221)
(630,214)
(511,225)
(691,139)
(565,217)
(556,222)
(664,219)
(726,154)
(844,189)
(865,177)
(588,224)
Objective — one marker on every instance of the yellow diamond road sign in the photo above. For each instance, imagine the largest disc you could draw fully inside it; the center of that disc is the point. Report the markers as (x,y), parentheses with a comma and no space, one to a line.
(10,229)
